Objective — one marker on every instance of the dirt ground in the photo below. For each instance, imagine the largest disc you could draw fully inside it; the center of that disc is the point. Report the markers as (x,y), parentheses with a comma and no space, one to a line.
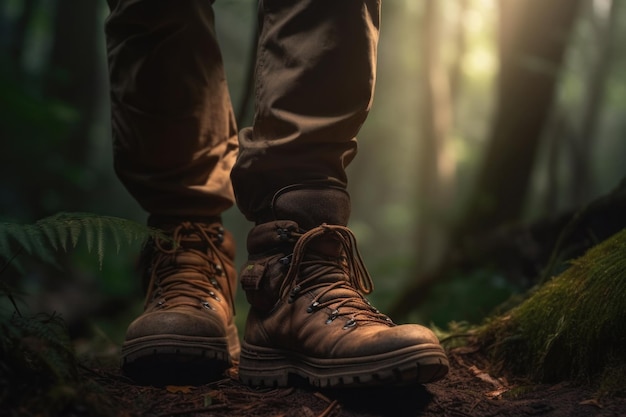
(467,391)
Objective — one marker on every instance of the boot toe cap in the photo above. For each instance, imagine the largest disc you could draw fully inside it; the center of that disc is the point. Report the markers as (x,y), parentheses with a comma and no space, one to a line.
(178,323)
(374,340)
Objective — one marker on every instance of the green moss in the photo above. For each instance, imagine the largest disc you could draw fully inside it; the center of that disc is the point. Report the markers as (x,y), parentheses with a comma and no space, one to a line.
(572,327)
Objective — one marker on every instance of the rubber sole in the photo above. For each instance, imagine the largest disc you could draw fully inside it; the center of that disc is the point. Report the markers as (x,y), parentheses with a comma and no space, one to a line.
(261,366)
(175,359)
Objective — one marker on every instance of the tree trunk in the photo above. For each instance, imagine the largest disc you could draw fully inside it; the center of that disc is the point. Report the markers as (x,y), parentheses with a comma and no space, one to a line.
(456,73)
(533,39)
(601,56)
(434,160)
(18,36)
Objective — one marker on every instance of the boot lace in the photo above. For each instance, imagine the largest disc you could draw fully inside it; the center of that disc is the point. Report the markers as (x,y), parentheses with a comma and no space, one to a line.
(339,283)
(184,270)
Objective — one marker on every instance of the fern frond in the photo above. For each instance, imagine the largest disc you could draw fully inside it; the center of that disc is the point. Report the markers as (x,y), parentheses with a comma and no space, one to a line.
(21,235)
(28,238)
(90,231)
(74,228)
(100,241)
(117,239)
(53,233)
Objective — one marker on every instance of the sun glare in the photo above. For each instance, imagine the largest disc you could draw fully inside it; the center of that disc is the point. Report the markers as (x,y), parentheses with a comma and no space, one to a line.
(480,62)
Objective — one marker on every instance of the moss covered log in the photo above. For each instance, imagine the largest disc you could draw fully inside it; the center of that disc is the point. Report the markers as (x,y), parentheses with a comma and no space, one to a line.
(571,328)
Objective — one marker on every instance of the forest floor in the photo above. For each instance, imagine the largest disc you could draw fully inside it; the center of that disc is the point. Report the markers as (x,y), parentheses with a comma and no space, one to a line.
(468,390)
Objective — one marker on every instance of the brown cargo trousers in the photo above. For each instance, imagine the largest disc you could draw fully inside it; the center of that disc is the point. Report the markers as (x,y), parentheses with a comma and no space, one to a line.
(175,141)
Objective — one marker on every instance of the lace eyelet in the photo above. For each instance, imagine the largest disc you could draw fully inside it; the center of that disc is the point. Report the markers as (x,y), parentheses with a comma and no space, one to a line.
(333,315)
(312,307)
(293,293)
(283,234)
(349,324)
(285,260)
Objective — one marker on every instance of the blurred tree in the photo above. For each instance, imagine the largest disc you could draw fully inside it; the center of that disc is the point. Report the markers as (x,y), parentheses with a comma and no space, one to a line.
(72,77)
(574,136)
(533,39)
(49,85)
(460,41)
(435,163)
(20,31)
(604,21)
(532,43)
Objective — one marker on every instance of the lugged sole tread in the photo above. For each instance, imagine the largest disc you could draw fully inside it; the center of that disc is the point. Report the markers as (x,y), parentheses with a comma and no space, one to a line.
(274,368)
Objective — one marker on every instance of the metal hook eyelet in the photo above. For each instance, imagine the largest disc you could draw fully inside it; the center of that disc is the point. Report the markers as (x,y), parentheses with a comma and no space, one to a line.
(333,315)
(349,324)
(312,307)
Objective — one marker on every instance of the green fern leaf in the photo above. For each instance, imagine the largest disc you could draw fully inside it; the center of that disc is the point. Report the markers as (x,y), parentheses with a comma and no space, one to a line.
(27,238)
(99,229)
(129,233)
(115,233)
(40,247)
(90,232)
(53,233)
(75,229)
(20,235)
(5,245)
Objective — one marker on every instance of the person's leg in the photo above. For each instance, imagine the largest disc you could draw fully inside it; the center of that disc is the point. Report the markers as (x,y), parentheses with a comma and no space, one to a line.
(175,138)
(304,277)
(175,142)
(314,82)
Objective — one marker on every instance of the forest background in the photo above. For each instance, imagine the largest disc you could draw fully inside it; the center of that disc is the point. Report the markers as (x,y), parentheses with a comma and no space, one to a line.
(487,114)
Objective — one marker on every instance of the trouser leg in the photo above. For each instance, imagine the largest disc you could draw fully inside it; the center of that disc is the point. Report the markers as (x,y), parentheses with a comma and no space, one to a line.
(315,78)
(174,133)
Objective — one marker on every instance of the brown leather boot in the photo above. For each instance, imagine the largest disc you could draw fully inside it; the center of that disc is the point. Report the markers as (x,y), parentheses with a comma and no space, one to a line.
(308,316)
(186,334)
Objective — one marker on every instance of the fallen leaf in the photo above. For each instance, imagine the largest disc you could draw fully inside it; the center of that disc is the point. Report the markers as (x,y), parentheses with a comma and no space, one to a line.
(500,387)
(182,389)
(591,402)
(497,393)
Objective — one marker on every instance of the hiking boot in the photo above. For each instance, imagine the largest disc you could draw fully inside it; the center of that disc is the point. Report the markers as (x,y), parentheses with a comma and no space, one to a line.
(186,334)
(309,316)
